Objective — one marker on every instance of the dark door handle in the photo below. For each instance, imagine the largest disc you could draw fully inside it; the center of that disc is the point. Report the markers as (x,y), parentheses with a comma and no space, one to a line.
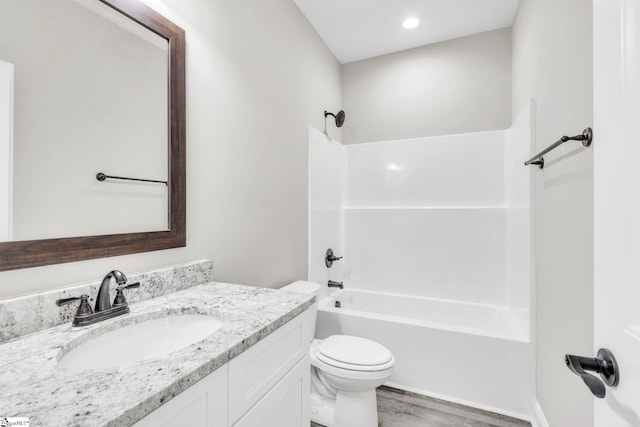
(604,364)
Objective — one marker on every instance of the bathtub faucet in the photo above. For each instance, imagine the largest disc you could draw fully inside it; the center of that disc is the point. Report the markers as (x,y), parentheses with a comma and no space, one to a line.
(333,284)
(330,258)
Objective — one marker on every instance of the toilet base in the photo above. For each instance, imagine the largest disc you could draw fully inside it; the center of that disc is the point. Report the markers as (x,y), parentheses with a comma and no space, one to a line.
(356,409)
(348,409)
(322,409)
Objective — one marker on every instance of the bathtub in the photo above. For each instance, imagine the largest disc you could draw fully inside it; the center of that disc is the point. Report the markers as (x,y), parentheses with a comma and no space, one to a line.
(473,354)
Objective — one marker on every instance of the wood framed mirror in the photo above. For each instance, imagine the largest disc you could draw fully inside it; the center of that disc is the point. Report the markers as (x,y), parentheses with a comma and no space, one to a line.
(31,252)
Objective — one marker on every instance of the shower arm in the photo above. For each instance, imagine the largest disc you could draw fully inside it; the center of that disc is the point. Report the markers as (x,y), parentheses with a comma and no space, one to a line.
(338,118)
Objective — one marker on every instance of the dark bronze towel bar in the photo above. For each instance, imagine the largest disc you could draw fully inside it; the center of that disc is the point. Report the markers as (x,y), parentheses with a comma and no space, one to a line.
(586,137)
(101,177)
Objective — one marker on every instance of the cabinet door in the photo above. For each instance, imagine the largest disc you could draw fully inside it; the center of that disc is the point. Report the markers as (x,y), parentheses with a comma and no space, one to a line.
(286,404)
(204,404)
(253,373)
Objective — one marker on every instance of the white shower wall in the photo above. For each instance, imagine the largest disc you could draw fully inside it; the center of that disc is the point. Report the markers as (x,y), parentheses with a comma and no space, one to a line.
(441,217)
(327,198)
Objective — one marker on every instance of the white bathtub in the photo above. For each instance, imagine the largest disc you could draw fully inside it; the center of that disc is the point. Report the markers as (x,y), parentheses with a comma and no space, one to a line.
(474,354)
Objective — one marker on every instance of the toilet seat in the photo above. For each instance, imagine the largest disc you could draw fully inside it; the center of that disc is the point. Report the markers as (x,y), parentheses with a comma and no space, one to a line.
(347,353)
(354,351)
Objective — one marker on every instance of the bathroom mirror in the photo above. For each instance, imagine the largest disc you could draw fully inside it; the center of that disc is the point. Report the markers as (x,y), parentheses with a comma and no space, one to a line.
(89,87)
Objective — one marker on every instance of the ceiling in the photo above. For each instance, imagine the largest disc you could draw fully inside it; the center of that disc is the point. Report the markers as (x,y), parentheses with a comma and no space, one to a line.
(360,29)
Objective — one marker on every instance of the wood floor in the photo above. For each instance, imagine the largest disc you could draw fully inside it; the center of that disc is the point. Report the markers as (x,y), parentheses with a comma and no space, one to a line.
(397,408)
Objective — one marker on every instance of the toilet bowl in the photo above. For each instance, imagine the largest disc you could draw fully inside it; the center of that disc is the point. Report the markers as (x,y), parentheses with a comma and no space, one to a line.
(345,371)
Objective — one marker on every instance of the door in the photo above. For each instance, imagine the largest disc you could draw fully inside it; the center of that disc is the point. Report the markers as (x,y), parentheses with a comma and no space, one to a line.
(617,203)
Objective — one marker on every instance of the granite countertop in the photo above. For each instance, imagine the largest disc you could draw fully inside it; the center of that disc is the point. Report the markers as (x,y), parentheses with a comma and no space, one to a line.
(34,385)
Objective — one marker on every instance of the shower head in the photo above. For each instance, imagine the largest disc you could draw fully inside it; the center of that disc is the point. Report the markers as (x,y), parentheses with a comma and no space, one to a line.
(339,117)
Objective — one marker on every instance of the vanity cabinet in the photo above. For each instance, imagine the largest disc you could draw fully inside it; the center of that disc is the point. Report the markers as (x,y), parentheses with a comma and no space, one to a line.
(286,405)
(265,386)
(202,405)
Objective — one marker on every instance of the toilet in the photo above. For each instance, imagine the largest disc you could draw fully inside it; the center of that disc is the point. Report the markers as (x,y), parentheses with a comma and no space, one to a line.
(345,371)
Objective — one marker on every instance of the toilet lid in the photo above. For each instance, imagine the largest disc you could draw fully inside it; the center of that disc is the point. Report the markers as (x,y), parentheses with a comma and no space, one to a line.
(360,352)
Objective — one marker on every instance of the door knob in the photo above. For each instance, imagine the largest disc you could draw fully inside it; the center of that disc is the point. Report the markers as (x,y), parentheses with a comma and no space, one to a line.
(604,364)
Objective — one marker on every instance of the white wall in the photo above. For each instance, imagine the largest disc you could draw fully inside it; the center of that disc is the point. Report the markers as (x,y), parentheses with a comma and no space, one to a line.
(519,192)
(327,197)
(464,170)
(425,217)
(6,150)
(257,76)
(457,86)
(431,217)
(552,61)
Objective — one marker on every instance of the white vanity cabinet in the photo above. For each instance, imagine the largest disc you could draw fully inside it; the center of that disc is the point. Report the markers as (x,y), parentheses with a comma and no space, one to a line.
(265,386)
(286,405)
(202,405)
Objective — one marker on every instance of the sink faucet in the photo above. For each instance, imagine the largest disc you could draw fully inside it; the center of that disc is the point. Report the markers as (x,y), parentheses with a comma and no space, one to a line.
(103,300)
(103,309)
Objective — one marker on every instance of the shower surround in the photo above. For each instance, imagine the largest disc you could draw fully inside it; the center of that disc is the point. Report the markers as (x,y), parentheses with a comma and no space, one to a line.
(430,229)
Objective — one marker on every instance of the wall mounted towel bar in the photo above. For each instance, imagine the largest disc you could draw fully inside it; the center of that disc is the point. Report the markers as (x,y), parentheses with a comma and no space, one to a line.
(101,177)
(586,137)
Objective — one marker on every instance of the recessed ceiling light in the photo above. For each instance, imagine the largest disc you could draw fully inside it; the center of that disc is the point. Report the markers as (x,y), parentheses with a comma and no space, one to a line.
(410,23)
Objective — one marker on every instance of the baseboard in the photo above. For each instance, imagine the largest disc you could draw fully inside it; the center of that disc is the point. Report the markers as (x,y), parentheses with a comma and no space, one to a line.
(468,403)
(539,420)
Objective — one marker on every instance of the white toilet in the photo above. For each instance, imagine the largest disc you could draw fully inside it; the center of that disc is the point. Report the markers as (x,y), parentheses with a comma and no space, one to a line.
(345,372)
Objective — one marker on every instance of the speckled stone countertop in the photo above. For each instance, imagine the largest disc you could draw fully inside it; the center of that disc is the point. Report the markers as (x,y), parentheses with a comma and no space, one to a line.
(33,385)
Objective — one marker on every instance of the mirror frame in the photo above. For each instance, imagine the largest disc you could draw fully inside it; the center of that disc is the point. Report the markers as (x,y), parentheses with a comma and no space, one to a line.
(33,253)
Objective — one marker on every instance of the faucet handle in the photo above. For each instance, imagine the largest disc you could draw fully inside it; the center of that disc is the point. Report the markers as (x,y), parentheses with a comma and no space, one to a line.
(84,307)
(120,299)
(130,285)
(330,258)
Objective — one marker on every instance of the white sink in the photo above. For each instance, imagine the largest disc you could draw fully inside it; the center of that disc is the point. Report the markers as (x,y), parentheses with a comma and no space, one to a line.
(134,343)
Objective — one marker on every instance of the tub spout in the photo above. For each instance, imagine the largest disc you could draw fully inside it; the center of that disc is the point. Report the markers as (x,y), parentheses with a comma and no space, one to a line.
(333,284)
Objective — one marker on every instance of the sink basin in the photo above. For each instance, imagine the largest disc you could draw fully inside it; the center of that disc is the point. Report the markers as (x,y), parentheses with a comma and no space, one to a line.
(134,343)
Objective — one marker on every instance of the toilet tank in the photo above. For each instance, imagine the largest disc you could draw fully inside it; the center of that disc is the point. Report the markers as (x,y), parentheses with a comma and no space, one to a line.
(307,288)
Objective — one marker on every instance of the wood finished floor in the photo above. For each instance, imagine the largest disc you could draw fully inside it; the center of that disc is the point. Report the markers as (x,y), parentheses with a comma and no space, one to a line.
(397,408)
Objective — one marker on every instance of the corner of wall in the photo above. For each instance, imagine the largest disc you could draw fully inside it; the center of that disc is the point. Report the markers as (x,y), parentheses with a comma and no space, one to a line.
(538,420)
